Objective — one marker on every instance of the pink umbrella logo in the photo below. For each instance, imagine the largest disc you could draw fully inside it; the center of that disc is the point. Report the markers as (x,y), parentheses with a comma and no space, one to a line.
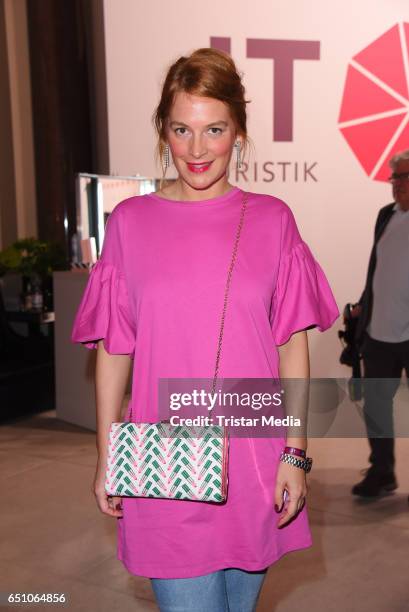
(374,117)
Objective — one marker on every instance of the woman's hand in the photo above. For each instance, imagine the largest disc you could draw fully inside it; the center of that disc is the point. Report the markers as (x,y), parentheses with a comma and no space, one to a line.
(293,480)
(107,504)
(294,375)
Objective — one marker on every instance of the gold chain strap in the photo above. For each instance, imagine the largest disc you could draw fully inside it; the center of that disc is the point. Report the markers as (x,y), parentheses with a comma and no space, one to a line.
(226,293)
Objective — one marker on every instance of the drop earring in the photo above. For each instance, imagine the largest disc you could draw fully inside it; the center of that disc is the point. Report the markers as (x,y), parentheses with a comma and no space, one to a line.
(238,158)
(166,157)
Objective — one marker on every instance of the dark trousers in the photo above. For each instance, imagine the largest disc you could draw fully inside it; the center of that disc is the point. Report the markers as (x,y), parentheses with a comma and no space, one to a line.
(383,365)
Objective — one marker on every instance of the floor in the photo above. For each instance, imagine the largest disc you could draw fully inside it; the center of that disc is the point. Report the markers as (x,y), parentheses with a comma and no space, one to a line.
(54,540)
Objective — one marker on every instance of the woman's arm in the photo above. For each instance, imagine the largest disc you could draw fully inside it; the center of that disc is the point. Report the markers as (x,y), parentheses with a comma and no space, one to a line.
(111,377)
(294,364)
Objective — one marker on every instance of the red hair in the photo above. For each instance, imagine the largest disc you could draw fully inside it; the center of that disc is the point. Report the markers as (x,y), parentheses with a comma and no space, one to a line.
(208,73)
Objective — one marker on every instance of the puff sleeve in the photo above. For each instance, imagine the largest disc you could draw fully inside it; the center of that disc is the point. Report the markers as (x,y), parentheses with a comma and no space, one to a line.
(105,311)
(302,298)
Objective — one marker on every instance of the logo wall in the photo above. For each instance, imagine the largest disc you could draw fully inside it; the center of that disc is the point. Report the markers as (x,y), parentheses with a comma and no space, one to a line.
(374,116)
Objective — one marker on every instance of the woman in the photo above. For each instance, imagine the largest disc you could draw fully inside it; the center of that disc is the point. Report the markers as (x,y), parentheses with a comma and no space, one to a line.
(154,301)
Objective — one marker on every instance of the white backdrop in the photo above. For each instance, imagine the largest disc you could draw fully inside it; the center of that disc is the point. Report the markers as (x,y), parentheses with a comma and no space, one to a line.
(336,209)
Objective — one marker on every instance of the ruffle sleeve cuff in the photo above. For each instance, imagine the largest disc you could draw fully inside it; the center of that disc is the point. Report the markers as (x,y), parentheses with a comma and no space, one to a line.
(104,312)
(303,297)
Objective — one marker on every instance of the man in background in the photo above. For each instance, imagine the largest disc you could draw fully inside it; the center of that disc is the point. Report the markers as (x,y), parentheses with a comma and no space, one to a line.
(383,330)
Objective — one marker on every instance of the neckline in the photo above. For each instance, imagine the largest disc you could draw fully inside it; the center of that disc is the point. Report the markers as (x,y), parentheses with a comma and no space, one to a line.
(197,203)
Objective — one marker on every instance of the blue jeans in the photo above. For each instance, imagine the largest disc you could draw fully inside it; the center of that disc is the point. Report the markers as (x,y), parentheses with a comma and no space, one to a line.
(228,590)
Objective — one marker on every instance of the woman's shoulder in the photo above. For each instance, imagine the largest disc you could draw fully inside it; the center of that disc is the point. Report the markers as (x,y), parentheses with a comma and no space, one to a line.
(269,203)
(126,207)
(276,214)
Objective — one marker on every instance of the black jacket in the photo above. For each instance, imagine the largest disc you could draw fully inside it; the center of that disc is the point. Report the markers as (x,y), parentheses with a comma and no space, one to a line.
(366,300)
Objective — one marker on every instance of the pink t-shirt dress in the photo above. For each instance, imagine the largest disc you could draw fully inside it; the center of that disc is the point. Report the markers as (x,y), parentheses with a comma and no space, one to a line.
(156,294)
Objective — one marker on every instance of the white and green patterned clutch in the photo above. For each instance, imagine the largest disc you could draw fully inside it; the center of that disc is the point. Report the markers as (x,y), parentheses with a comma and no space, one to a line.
(161,460)
(172,462)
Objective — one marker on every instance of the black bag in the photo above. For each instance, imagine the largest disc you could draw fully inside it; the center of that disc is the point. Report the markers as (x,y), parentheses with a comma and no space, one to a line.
(350,355)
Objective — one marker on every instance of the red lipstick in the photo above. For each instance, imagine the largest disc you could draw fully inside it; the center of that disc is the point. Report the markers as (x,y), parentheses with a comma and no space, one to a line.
(199,167)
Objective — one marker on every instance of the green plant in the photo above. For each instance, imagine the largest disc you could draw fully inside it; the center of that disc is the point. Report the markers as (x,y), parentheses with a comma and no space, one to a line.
(30,256)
